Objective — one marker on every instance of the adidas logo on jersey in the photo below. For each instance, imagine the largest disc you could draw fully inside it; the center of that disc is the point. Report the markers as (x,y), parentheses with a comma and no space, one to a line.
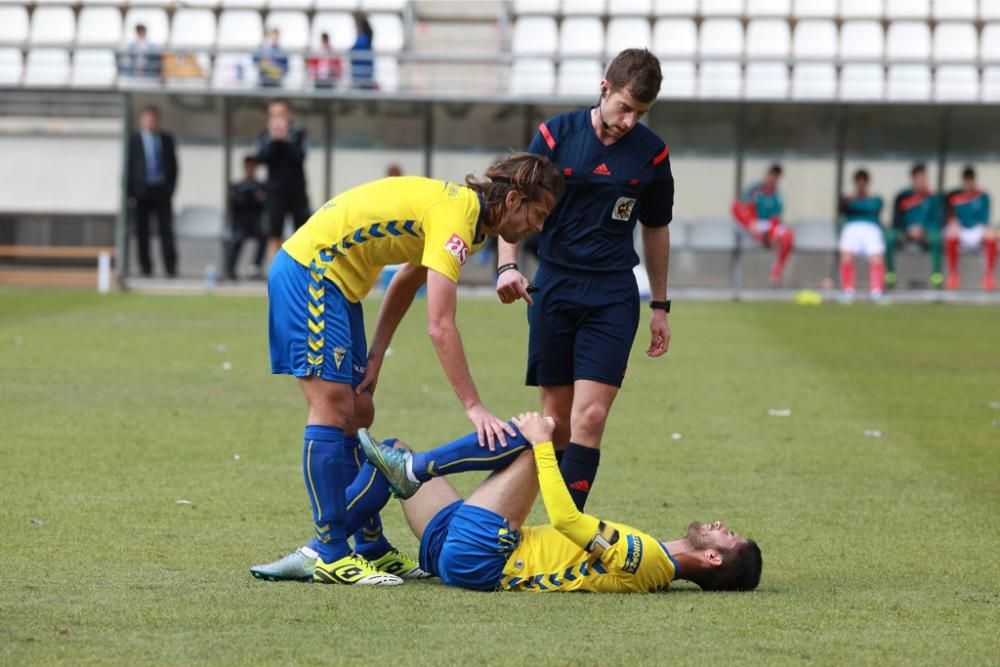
(602,170)
(581,485)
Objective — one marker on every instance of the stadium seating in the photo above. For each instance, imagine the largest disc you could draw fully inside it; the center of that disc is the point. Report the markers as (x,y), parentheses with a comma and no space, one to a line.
(721,7)
(52,26)
(989,46)
(991,84)
(768,38)
(861,9)
(908,40)
(155,20)
(954,9)
(814,81)
(815,39)
(387,75)
(909,83)
(861,40)
(580,78)
(337,5)
(720,80)
(582,7)
(533,76)
(908,9)
(627,33)
(956,83)
(675,7)
(93,68)
(721,38)
(388,29)
(955,42)
(99,26)
(302,5)
(862,82)
(679,80)
(581,36)
(240,29)
(535,36)
(760,8)
(193,29)
(632,7)
(11,66)
(47,67)
(814,8)
(13,26)
(338,25)
(234,70)
(542,7)
(767,81)
(293,28)
(989,10)
(675,38)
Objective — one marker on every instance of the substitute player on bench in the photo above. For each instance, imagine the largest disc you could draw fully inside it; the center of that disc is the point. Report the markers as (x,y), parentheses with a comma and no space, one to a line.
(968,229)
(862,234)
(759,212)
(317,332)
(916,218)
(480,543)
(585,315)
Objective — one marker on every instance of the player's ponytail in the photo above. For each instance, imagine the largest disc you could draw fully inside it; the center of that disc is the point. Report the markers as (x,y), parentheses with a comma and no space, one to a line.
(533,176)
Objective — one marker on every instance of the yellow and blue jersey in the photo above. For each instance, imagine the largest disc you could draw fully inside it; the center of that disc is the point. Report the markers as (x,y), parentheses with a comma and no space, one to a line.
(578,552)
(546,561)
(423,221)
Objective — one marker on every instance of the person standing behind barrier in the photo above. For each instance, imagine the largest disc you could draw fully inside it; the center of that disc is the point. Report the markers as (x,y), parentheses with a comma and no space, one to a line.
(362,64)
(152,178)
(916,217)
(142,58)
(759,212)
(271,61)
(282,147)
(968,228)
(862,234)
(246,204)
(324,64)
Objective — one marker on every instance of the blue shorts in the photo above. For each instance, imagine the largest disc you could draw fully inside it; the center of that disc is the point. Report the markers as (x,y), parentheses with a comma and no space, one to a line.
(467,546)
(581,327)
(312,328)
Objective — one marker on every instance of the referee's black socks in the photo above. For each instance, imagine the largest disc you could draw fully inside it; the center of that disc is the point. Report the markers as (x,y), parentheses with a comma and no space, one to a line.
(579,468)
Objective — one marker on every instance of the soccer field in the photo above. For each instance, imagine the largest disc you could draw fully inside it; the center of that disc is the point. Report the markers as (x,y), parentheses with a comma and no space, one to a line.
(877,550)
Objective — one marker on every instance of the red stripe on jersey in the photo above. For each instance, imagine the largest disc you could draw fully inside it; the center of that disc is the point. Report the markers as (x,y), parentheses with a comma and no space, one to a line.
(544,129)
(911,201)
(963,197)
(567,172)
(662,156)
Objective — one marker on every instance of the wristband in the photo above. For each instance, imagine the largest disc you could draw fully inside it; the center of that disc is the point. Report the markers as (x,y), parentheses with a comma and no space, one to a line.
(506,267)
(660,305)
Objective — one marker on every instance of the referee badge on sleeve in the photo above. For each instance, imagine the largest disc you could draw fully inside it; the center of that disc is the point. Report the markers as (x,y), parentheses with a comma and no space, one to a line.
(623,209)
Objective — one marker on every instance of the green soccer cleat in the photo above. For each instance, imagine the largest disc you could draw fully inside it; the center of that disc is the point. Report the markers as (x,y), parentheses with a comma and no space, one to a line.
(391,462)
(296,566)
(937,280)
(352,570)
(396,562)
(891,279)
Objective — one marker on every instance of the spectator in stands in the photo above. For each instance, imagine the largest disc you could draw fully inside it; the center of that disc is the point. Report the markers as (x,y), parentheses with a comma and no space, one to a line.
(324,64)
(142,58)
(247,199)
(759,212)
(967,228)
(271,60)
(152,178)
(862,234)
(282,147)
(362,63)
(393,170)
(916,218)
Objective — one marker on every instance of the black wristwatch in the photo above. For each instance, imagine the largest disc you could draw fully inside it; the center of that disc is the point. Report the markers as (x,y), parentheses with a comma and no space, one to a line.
(660,305)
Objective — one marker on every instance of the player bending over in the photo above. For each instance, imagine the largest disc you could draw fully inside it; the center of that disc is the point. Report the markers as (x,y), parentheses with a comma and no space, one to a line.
(480,543)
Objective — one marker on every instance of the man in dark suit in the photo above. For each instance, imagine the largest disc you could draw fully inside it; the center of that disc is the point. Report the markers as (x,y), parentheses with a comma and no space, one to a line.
(152,177)
(282,147)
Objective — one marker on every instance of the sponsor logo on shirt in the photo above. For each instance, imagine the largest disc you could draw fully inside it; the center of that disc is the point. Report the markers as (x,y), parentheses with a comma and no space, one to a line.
(634,555)
(457,247)
(623,209)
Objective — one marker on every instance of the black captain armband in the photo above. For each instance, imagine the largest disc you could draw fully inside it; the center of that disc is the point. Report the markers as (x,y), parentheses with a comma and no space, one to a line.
(506,267)
(605,538)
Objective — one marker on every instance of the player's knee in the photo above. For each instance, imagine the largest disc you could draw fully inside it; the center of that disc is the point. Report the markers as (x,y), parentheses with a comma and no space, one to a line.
(592,417)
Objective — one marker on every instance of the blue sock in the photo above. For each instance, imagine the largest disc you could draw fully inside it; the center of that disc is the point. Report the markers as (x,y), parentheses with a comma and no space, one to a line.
(323,469)
(579,468)
(366,496)
(368,538)
(465,454)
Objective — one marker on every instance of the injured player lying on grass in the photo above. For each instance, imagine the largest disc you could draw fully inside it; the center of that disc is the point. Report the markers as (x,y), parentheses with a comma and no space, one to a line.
(480,543)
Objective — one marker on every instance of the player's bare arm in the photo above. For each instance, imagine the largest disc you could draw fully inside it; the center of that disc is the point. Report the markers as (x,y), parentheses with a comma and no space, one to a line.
(398,298)
(656,253)
(442,299)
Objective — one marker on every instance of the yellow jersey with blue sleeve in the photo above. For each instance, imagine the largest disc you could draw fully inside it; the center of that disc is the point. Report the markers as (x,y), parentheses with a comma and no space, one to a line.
(423,221)
(578,552)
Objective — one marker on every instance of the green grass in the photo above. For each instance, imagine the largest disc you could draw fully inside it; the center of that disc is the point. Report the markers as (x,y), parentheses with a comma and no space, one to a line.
(877,550)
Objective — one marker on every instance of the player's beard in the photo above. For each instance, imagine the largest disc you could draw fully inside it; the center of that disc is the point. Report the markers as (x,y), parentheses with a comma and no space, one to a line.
(697,538)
